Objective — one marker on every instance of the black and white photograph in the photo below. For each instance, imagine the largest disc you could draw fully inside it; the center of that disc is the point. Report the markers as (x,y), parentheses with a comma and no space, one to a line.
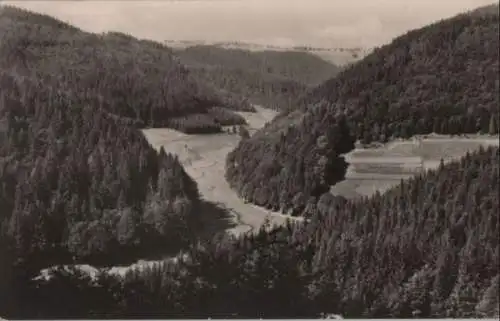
(249,159)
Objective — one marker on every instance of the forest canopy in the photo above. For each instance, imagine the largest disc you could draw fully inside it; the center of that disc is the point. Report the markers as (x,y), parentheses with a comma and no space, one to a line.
(272,79)
(138,79)
(442,78)
(79,183)
(78,180)
(427,248)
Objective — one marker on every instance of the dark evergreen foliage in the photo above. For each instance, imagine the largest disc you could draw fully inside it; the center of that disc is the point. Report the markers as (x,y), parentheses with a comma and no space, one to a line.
(272,79)
(291,176)
(442,78)
(138,79)
(426,248)
(78,182)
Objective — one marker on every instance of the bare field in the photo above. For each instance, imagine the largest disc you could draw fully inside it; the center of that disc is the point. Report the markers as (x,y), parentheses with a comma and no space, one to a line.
(360,187)
(402,150)
(450,149)
(389,169)
(379,176)
(378,169)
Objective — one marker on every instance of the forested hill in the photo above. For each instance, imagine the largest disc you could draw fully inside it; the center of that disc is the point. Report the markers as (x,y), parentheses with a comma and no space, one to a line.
(269,78)
(79,184)
(303,67)
(139,79)
(444,71)
(442,78)
(426,248)
(78,181)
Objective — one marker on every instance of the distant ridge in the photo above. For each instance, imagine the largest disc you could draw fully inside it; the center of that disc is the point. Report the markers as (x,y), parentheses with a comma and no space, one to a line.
(336,55)
(268,78)
(239,44)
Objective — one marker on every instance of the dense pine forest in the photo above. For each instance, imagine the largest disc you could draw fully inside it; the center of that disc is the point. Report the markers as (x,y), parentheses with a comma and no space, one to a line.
(78,181)
(304,67)
(427,248)
(442,78)
(80,184)
(272,79)
(139,79)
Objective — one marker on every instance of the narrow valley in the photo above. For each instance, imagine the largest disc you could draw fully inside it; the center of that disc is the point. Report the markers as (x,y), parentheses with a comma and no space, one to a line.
(204,157)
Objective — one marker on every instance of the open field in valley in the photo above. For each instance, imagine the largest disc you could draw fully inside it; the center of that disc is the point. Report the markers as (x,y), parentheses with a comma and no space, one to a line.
(204,157)
(380,168)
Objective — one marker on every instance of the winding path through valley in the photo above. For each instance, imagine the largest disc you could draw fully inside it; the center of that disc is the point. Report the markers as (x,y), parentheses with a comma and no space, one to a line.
(204,157)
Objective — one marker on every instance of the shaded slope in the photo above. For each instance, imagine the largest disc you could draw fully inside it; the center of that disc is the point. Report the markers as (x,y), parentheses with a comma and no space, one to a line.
(268,78)
(139,79)
(80,184)
(442,78)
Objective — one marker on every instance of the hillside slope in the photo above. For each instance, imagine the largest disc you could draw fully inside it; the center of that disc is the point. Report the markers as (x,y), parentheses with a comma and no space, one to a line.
(80,184)
(139,79)
(269,78)
(78,180)
(426,248)
(442,78)
(303,67)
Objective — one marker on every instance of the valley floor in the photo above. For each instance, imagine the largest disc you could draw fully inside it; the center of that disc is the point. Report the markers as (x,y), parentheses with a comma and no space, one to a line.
(204,157)
(370,169)
(381,168)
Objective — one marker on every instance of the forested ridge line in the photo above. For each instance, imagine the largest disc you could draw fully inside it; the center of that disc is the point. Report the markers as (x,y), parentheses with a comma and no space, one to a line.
(304,67)
(442,78)
(139,79)
(268,78)
(426,248)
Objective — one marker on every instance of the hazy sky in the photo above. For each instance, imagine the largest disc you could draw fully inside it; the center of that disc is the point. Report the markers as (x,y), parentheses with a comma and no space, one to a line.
(331,23)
